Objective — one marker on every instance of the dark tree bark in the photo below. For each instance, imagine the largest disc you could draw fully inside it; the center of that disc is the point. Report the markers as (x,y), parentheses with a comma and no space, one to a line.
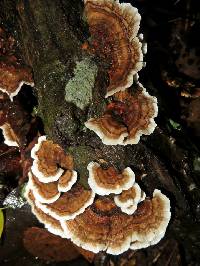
(50,35)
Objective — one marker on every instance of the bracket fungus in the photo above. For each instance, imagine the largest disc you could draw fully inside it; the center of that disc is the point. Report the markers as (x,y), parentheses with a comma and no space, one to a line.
(126,218)
(13,75)
(10,137)
(129,199)
(107,181)
(44,192)
(114,28)
(103,227)
(54,200)
(112,224)
(126,118)
(50,164)
(51,224)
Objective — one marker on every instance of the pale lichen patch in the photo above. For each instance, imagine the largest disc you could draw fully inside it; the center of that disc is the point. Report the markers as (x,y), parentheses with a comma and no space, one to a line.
(79,88)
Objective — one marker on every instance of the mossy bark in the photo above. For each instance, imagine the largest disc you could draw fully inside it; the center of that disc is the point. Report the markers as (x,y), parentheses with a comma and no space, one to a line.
(50,35)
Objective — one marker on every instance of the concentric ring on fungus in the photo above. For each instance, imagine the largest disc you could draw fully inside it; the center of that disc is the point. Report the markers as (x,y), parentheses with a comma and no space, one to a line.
(70,204)
(13,74)
(113,28)
(103,227)
(129,199)
(43,192)
(10,137)
(51,224)
(107,181)
(118,222)
(127,117)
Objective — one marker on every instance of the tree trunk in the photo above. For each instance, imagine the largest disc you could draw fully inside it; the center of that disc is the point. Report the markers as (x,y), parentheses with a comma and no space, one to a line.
(50,35)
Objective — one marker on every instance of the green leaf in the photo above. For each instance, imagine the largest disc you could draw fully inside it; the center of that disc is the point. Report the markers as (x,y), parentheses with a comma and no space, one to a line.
(1,222)
(175,125)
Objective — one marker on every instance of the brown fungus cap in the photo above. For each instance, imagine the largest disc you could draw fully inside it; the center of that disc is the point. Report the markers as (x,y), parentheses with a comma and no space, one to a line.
(107,181)
(50,223)
(10,138)
(13,74)
(70,204)
(50,162)
(103,227)
(44,192)
(67,180)
(113,28)
(127,117)
(129,199)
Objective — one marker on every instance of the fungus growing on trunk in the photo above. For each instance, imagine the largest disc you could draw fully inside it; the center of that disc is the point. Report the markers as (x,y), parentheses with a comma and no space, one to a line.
(107,181)
(127,117)
(10,137)
(51,224)
(114,28)
(128,200)
(13,74)
(44,192)
(97,224)
(47,159)
(118,222)
(70,204)
(51,164)
(103,227)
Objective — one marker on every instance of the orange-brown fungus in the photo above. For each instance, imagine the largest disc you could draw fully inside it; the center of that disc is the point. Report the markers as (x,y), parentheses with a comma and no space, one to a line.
(10,137)
(107,181)
(51,223)
(126,118)
(129,199)
(113,28)
(109,229)
(13,74)
(69,204)
(46,193)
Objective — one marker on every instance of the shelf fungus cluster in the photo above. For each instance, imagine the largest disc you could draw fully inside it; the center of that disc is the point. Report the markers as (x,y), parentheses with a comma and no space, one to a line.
(112,216)
(116,43)
(52,189)
(114,29)
(127,117)
(13,73)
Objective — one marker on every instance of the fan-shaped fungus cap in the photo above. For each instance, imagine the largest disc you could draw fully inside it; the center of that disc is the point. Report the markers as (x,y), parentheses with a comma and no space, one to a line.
(104,227)
(157,223)
(128,117)
(10,137)
(108,129)
(37,147)
(45,172)
(50,223)
(70,204)
(67,180)
(128,200)
(113,28)
(46,156)
(107,181)
(45,193)
(13,75)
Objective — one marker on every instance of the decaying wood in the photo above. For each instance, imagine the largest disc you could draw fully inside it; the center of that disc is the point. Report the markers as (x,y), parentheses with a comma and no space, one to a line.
(50,35)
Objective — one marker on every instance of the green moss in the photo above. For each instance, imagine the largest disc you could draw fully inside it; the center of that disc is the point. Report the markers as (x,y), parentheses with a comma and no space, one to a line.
(82,155)
(79,88)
